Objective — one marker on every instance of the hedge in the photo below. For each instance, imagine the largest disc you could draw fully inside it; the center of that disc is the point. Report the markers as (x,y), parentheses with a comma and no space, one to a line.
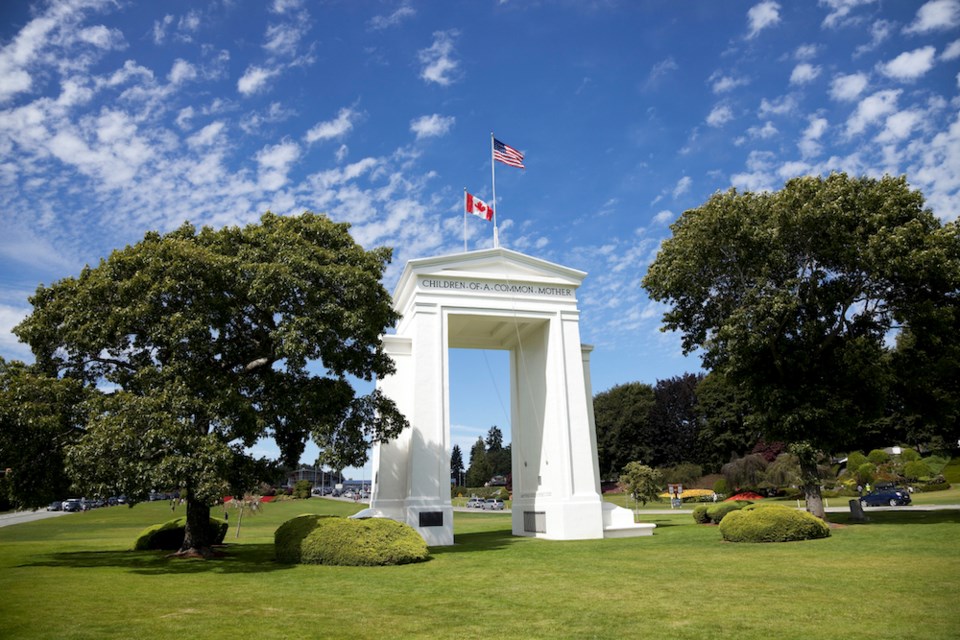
(350,542)
(168,536)
(289,537)
(772,523)
(714,513)
(932,486)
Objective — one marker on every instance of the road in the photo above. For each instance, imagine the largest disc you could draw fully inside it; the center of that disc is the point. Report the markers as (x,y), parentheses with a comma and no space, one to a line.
(19,517)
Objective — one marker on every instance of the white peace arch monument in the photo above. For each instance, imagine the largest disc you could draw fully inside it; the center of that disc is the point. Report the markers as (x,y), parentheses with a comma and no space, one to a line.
(495,299)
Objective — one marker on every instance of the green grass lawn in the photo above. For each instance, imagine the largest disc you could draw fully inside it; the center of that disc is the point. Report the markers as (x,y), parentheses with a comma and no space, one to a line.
(895,577)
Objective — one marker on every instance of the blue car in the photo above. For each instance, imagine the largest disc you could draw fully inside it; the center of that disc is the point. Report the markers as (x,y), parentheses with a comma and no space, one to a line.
(892,497)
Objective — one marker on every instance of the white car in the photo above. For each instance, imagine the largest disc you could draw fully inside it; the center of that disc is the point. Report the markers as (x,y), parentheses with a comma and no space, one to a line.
(492,504)
(475,503)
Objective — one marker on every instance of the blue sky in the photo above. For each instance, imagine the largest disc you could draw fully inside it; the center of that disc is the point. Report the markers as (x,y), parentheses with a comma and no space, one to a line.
(121,117)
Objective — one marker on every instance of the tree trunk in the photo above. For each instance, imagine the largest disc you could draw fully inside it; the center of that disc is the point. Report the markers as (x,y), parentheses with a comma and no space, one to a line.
(196,536)
(810,477)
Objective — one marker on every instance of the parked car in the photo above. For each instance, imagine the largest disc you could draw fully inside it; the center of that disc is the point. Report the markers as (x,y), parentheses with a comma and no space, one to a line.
(492,504)
(886,497)
(475,503)
(72,504)
(56,505)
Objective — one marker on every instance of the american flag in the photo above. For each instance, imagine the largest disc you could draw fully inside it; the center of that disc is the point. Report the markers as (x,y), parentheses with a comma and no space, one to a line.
(507,154)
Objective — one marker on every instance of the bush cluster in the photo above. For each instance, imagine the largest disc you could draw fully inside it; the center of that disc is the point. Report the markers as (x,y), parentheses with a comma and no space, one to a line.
(288,537)
(943,485)
(772,523)
(715,513)
(330,540)
(168,536)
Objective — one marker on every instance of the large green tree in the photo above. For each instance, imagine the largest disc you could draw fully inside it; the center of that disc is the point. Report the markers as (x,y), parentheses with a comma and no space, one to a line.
(39,417)
(722,414)
(201,342)
(792,296)
(622,417)
(674,420)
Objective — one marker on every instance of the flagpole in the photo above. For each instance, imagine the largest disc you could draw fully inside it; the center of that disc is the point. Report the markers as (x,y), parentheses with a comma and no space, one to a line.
(464,219)
(493,179)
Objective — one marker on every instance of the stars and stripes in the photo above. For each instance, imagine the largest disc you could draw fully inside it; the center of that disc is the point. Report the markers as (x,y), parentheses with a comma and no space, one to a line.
(507,154)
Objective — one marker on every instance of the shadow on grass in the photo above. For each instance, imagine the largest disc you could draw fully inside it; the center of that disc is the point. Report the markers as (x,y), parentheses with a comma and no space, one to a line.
(479,541)
(943,516)
(248,558)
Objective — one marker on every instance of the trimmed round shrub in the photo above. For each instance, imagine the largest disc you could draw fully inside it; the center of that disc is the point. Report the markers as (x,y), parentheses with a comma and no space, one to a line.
(717,512)
(289,537)
(313,539)
(700,514)
(772,523)
(909,455)
(168,536)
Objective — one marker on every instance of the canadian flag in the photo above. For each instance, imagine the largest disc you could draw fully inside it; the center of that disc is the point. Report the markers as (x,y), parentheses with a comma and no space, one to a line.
(478,207)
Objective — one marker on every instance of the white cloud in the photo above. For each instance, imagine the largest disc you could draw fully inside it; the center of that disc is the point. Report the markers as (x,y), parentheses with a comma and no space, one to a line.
(682,186)
(785,105)
(871,109)
(663,218)
(181,72)
(759,175)
(206,136)
(910,65)
(763,15)
(160,29)
(660,70)
(274,163)
(403,12)
(721,83)
(935,15)
(848,87)
(184,116)
(951,52)
(840,11)
(439,66)
(768,130)
(189,22)
(9,344)
(102,37)
(794,169)
(431,126)
(899,125)
(283,39)
(806,51)
(880,30)
(719,116)
(804,73)
(254,80)
(809,144)
(282,6)
(937,172)
(331,129)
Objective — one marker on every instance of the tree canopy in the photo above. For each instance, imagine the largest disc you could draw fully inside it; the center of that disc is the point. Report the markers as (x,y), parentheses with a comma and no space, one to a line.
(792,296)
(200,342)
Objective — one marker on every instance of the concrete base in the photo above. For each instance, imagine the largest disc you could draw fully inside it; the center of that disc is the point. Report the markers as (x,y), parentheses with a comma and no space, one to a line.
(433,523)
(618,523)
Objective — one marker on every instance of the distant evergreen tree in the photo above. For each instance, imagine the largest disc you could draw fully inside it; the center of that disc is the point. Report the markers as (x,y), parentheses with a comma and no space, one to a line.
(456,465)
(480,470)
